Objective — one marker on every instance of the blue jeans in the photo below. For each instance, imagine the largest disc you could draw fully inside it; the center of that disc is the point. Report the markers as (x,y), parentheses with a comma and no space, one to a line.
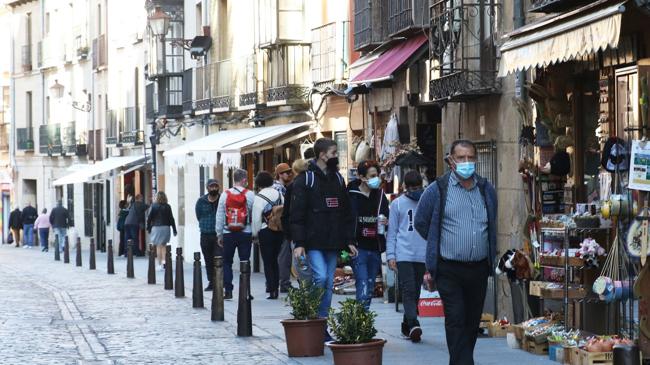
(28,232)
(132,232)
(366,266)
(240,241)
(323,265)
(44,237)
(61,232)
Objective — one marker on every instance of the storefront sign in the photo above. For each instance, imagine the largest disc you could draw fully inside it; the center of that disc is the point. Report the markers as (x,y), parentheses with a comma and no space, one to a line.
(639,177)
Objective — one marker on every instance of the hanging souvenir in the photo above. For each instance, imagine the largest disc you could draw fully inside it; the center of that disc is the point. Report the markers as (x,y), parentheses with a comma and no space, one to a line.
(637,237)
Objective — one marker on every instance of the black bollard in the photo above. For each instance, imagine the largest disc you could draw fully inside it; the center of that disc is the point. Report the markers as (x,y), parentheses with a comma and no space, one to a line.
(217,291)
(169,280)
(110,267)
(57,254)
(197,285)
(78,260)
(180,275)
(66,251)
(151,274)
(244,315)
(129,260)
(93,264)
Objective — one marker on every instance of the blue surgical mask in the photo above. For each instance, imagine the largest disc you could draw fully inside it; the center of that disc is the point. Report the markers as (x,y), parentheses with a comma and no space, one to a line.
(465,169)
(374,183)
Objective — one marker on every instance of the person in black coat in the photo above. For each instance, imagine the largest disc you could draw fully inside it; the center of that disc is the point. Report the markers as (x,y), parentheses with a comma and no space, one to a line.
(16,224)
(29,217)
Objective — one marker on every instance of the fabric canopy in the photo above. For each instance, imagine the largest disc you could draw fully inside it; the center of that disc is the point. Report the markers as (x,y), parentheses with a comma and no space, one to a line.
(85,172)
(562,38)
(383,67)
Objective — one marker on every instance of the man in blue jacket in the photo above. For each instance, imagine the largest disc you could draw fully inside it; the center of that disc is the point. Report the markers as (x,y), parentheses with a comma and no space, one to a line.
(457,216)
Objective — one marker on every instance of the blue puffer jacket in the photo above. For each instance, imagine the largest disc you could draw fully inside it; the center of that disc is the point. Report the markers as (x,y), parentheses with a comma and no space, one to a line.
(430,210)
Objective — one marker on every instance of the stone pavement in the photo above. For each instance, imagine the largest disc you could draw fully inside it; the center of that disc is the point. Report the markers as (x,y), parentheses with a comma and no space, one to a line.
(56,313)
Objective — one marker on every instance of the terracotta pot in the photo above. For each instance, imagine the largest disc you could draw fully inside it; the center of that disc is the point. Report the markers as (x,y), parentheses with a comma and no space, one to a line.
(368,353)
(305,337)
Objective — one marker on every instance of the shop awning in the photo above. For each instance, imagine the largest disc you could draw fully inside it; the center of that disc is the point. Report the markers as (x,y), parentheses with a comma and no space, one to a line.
(85,172)
(564,37)
(205,150)
(387,63)
(361,64)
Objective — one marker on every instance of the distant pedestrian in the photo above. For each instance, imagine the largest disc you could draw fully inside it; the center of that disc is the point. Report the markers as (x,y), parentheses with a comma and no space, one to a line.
(370,209)
(233,225)
(42,226)
(134,222)
(322,224)
(121,218)
(60,221)
(457,214)
(16,224)
(29,217)
(159,224)
(206,214)
(284,177)
(266,217)
(406,252)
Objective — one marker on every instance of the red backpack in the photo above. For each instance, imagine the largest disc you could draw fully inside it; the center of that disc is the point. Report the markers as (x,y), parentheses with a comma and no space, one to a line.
(236,211)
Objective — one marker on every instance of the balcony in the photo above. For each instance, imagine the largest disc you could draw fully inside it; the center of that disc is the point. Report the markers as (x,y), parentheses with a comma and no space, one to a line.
(99,52)
(130,129)
(112,122)
(288,76)
(69,139)
(407,16)
(50,139)
(24,139)
(247,83)
(201,98)
(81,42)
(26,57)
(462,50)
(279,22)
(370,20)
(221,87)
(555,6)
(329,53)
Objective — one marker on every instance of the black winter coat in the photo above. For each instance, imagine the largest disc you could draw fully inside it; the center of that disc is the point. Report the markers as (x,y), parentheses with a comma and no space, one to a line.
(29,215)
(16,219)
(59,217)
(320,215)
(366,210)
(161,215)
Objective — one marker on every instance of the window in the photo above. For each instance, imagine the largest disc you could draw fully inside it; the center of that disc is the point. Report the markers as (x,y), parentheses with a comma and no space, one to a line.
(47,110)
(88,210)
(28,29)
(99,19)
(175,90)
(47,23)
(199,19)
(28,110)
(70,196)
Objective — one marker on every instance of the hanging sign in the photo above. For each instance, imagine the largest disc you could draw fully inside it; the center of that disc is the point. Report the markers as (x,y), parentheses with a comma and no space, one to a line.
(639,177)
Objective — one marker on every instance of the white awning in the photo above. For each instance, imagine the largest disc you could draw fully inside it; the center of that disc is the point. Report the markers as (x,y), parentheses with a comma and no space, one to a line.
(85,172)
(562,38)
(361,64)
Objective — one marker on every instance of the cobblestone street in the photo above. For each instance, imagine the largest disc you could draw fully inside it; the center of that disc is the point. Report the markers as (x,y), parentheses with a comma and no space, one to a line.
(55,313)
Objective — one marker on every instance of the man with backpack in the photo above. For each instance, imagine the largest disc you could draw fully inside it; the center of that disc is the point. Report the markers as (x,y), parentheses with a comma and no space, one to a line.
(322,224)
(267,227)
(234,225)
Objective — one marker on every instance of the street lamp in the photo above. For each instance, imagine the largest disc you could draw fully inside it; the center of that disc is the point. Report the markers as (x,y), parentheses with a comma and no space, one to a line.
(57,89)
(159,22)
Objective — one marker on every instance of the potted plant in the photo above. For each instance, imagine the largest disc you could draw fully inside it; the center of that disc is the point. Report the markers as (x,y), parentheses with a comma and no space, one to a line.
(305,333)
(82,52)
(354,329)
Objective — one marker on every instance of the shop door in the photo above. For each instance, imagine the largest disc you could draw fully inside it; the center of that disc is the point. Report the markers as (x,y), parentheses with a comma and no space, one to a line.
(98,213)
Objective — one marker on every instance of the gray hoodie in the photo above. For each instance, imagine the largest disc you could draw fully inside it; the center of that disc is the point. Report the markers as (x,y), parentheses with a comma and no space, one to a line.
(403,242)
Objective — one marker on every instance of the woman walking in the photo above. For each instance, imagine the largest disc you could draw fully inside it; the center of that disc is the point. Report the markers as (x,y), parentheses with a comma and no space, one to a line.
(42,226)
(121,218)
(370,209)
(159,222)
(267,213)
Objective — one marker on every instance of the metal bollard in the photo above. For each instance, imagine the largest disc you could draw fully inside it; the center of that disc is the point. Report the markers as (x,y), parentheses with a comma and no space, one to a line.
(110,267)
(78,260)
(129,260)
(151,274)
(217,291)
(66,251)
(180,274)
(197,285)
(244,315)
(93,264)
(57,254)
(169,280)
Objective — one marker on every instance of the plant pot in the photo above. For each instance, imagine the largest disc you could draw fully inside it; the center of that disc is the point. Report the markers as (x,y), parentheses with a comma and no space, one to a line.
(369,353)
(304,337)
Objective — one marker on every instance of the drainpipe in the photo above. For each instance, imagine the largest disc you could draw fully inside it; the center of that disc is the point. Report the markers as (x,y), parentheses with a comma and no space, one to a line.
(14,139)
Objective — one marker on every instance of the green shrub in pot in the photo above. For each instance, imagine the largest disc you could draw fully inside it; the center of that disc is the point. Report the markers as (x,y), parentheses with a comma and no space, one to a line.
(352,324)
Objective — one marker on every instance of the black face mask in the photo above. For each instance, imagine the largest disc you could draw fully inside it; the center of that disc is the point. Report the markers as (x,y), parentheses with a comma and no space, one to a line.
(213,193)
(333,164)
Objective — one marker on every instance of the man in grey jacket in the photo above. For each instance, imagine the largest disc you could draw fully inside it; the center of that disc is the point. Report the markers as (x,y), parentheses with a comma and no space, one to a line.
(406,252)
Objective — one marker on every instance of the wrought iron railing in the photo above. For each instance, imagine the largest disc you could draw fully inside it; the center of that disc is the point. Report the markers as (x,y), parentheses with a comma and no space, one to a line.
(50,139)
(463,50)
(25,139)
(69,139)
(288,75)
(112,123)
(555,6)
(247,82)
(221,88)
(407,15)
(201,84)
(329,52)
(130,131)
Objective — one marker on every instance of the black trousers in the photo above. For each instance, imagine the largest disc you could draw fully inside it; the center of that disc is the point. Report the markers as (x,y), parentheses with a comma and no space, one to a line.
(270,245)
(210,249)
(462,288)
(410,276)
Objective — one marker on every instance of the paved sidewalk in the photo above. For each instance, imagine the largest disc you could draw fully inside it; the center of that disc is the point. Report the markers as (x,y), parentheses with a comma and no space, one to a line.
(56,313)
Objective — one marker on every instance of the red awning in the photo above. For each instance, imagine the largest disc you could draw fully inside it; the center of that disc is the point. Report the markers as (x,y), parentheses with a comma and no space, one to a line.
(383,67)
